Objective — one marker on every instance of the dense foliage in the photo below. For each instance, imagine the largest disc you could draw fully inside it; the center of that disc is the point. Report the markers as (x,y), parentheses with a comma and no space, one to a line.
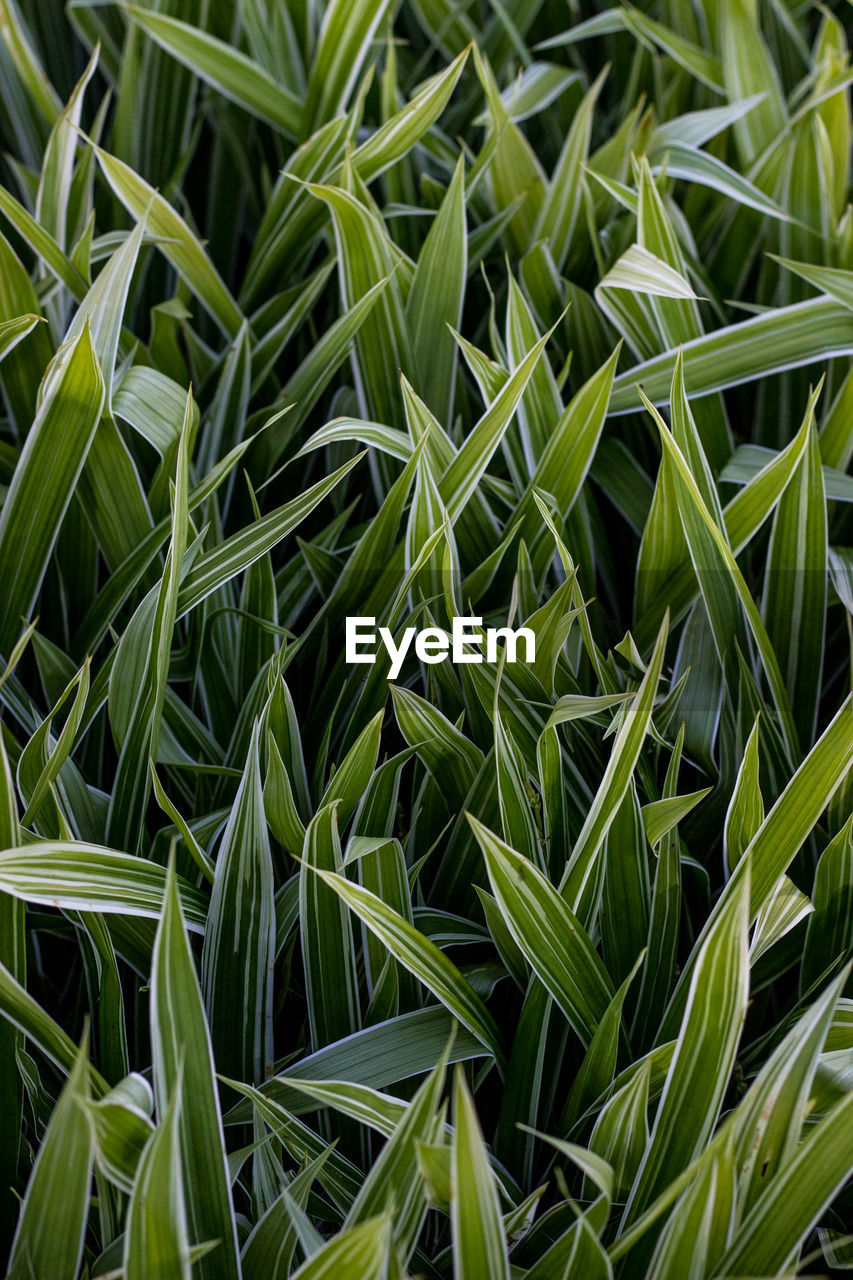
(321,308)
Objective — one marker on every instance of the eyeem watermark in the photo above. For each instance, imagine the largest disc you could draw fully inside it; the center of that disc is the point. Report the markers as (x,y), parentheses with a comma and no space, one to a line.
(464,643)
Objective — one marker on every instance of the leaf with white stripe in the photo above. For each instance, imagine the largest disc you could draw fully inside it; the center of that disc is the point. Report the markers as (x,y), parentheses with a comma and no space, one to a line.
(704,1053)
(237,958)
(548,933)
(181,1051)
(225,68)
(422,958)
(479,1246)
(86,877)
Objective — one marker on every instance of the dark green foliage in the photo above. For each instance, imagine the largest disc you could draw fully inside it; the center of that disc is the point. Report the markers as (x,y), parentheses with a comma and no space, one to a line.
(529,312)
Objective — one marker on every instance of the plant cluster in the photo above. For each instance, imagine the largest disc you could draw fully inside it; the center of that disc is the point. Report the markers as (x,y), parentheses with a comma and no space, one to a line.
(541,314)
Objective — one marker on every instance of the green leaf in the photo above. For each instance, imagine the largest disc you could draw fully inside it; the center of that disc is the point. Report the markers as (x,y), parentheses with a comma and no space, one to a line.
(660,816)
(695,60)
(26,63)
(451,758)
(243,548)
(279,806)
(183,1058)
(121,1126)
(479,1246)
(377,1110)
(778,1224)
(720,579)
(14,331)
(366,256)
(268,1252)
(142,664)
(13,954)
(226,69)
(833,281)
(462,476)
(748,69)
(19,1008)
(41,751)
(639,271)
(746,808)
(378,1056)
(828,934)
(349,783)
(397,136)
(343,42)
(664,558)
(708,170)
(435,299)
(58,1188)
(567,456)
(422,958)
(795,587)
(237,958)
(102,309)
(339,1177)
(45,478)
(394,1184)
(42,243)
(768,1123)
(698,1229)
(621,1131)
(561,206)
(179,244)
(360,1253)
(781,834)
(548,933)
(704,1053)
(779,838)
(784,338)
(599,1064)
(156,1233)
(83,877)
(326,935)
(581,881)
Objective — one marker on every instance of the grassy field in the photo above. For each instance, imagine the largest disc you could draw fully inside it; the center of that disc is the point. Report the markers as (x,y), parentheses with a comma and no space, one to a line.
(533,312)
